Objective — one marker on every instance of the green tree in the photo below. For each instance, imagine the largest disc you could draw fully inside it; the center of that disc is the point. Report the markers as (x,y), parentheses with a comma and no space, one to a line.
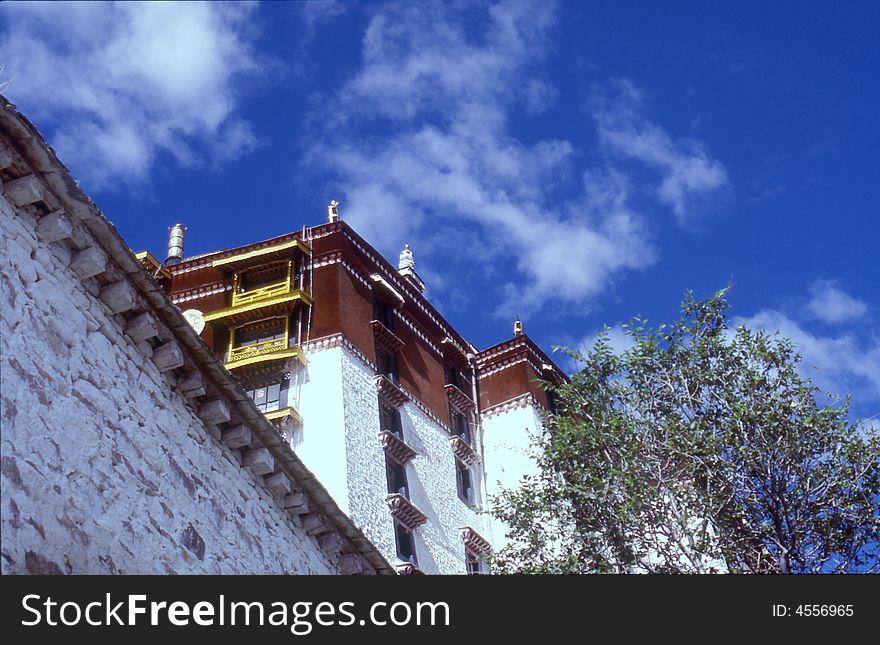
(701,449)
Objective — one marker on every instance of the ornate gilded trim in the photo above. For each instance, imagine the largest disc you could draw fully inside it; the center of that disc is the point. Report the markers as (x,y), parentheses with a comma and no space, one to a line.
(284,414)
(259,256)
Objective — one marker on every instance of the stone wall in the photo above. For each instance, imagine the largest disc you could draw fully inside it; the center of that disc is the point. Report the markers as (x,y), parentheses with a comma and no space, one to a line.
(104,468)
(433,487)
(364,456)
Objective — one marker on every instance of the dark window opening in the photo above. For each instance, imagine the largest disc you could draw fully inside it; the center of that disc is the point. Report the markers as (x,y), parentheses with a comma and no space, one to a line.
(475,564)
(396,474)
(260,333)
(552,402)
(461,427)
(389,419)
(388,366)
(465,483)
(384,313)
(406,545)
(454,377)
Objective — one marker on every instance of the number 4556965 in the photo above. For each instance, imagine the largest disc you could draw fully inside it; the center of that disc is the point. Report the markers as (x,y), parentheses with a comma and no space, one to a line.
(824,610)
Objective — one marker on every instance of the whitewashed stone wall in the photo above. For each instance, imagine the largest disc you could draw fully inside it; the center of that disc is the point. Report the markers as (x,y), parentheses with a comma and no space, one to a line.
(364,455)
(507,438)
(104,468)
(433,488)
(339,443)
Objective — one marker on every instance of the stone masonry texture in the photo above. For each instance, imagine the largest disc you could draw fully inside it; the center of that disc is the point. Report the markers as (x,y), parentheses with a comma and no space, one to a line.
(105,469)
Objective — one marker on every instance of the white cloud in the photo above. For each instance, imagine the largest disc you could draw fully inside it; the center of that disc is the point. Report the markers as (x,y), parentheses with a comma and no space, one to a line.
(830,304)
(690,179)
(539,95)
(120,84)
(419,141)
(618,340)
(839,363)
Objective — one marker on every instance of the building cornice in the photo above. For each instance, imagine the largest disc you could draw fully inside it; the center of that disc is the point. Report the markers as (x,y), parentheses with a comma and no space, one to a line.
(200,292)
(205,260)
(517,349)
(516,403)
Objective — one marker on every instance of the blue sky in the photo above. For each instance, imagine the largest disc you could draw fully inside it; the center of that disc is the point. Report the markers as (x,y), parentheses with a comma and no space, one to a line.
(575,163)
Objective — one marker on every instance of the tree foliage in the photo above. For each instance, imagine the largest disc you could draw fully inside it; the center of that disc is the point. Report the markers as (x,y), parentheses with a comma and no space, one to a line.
(700,449)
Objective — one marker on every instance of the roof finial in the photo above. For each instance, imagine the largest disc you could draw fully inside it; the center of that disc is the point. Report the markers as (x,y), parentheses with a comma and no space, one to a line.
(406,259)
(517,327)
(407,268)
(333,211)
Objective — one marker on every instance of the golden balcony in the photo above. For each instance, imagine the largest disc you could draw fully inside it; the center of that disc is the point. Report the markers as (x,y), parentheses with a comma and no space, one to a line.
(267,292)
(259,351)
(274,300)
(283,415)
(271,253)
(273,350)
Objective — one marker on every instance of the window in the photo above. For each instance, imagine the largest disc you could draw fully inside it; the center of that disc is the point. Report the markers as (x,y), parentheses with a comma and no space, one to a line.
(465,484)
(461,427)
(453,377)
(475,564)
(406,547)
(269,398)
(388,366)
(261,333)
(396,478)
(262,276)
(384,313)
(389,419)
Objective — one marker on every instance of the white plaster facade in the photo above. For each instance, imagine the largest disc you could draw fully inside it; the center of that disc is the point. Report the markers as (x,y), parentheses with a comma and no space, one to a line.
(508,432)
(339,442)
